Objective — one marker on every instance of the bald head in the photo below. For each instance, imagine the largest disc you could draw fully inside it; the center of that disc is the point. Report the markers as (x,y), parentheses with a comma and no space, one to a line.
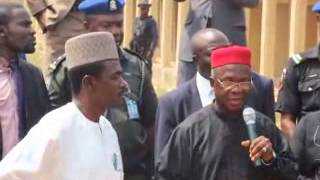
(202,43)
(208,38)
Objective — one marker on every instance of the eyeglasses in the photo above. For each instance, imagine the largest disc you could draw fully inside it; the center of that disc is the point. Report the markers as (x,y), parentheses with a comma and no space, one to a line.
(228,85)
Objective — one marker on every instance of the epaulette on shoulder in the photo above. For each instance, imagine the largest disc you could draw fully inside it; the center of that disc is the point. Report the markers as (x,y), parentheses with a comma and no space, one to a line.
(297,58)
(57,63)
(309,54)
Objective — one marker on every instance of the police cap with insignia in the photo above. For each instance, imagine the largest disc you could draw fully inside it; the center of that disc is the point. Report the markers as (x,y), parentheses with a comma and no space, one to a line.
(90,48)
(91,7)
(144,4)
(316,7)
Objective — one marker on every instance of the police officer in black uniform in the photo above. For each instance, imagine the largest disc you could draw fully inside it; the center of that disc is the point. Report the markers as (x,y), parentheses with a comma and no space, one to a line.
(134,121)
(299,92)
(145,33)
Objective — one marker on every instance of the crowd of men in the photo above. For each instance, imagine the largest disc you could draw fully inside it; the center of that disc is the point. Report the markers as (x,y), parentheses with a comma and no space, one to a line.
(99,117)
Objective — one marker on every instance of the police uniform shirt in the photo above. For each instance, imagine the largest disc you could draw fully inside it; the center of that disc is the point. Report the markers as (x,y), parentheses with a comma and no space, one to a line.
(145,37)
(207,146)
(306,145)
(65,145)
(145,27)
(300,91)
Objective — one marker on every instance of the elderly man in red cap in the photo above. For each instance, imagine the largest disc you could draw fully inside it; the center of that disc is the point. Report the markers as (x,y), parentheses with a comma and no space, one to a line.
(212,144)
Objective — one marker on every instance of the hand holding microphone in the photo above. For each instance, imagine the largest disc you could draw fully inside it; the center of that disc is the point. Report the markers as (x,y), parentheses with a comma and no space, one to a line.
(260,148)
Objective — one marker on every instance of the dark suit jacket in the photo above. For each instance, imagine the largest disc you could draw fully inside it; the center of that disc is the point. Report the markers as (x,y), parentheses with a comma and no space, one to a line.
(35,98)
(178,104)
(226,15)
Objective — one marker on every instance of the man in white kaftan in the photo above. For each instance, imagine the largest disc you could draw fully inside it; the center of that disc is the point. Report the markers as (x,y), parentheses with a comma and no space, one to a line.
(75,142)
(65,145)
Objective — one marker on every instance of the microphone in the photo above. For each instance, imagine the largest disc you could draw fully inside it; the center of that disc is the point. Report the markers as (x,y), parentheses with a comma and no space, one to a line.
(249,117)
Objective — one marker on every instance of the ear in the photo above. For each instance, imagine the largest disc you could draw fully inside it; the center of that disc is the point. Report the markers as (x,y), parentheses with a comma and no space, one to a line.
(194,58)
(88,83)
(86,24)
(212,82)
(3,31)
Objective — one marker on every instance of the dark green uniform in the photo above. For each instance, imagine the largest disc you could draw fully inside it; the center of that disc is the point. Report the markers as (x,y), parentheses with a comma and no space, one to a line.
(300,91)
(132,120)
(145,37)
(58,85)
(305,145)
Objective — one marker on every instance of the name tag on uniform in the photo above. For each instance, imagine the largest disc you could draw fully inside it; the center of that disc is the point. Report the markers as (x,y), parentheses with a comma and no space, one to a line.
(132,108)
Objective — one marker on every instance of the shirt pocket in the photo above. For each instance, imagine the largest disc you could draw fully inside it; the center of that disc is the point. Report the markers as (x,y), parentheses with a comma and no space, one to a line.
(314,150)
(309,90)
(309,85)
(316,137)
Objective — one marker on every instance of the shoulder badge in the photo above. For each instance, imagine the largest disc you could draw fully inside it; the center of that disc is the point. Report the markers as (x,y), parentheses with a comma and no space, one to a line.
(282,79)
(113,5)
(297,58)
(54,65)
(116,161)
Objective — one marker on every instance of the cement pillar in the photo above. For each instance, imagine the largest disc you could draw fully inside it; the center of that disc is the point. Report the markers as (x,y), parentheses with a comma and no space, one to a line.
(298,14)
(253,20)
(268,37)
(183,9)
(168,33)
(129,15)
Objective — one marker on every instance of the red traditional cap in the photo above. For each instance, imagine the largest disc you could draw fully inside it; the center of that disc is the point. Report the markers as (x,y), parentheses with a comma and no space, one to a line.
(230,55)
